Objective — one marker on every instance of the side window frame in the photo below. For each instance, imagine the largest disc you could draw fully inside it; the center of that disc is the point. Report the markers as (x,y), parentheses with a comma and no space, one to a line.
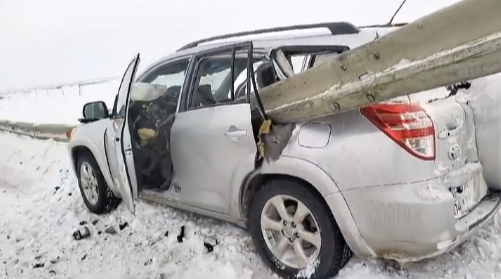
(148,72)
(114,112)
(187,95)
(309,52)
(187,76)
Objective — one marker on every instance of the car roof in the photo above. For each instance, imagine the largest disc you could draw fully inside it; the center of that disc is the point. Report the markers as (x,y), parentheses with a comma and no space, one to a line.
(267,44)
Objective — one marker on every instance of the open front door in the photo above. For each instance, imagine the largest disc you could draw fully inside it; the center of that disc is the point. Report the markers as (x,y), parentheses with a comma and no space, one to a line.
(126,177)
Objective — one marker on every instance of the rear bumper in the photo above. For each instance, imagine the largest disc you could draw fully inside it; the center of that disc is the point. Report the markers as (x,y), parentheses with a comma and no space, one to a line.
(399,222)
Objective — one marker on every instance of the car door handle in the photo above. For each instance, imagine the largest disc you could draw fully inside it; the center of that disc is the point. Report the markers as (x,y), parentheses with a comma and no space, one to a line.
(235,133)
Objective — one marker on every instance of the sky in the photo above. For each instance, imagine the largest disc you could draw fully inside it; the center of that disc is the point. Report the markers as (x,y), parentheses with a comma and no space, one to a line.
(59,41)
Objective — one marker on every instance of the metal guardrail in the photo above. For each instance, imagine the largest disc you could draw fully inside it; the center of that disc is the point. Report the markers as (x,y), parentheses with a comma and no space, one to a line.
(57,86)
(56,132)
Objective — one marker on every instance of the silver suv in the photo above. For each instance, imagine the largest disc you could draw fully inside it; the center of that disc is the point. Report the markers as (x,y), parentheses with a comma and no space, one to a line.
(399,180)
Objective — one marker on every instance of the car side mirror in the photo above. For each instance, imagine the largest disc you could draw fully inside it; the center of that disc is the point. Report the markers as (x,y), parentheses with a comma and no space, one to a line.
(94,111)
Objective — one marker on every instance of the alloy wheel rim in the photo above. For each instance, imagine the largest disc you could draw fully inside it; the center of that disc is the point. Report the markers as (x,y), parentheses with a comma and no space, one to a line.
(89,183)
(290,231)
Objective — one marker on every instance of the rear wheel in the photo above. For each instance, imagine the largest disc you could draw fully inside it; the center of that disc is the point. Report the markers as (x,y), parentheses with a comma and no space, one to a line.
(95,192)
(294,232)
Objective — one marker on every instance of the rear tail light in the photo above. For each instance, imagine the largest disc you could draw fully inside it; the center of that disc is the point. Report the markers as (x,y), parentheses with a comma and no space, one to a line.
(406,124)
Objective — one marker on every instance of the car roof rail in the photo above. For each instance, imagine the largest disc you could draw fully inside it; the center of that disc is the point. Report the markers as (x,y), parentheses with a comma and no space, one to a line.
(336,28)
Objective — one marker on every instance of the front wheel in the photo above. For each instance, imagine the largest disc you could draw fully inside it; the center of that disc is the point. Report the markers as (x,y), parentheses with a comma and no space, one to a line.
(294,232)
(95,192)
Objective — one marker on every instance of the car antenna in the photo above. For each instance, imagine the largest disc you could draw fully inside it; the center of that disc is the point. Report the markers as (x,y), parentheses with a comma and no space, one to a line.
(396,12)
(390,23)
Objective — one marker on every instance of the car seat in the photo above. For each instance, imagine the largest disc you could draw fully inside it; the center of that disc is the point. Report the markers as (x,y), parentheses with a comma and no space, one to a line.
(202,96)
(265,75)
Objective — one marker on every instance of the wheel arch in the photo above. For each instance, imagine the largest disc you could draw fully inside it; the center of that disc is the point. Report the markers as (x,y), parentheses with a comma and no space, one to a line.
(286,167)
(79,148)
(321,184)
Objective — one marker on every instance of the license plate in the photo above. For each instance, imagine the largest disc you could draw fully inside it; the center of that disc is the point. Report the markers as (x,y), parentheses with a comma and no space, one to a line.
(465,200)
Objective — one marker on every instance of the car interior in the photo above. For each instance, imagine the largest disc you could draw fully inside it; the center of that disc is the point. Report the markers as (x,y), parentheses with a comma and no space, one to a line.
(153,107)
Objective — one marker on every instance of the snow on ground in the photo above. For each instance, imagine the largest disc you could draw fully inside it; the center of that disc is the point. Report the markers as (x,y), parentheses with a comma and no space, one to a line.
(42,207)
(55,106)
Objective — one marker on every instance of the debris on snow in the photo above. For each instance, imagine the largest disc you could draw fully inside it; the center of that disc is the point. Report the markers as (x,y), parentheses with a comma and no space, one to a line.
(148,262)
(209,247)
(123,225)
(110,230)
(38,221)
(54,260)
(210,243)
(38,265)
(81,233)
(180,236)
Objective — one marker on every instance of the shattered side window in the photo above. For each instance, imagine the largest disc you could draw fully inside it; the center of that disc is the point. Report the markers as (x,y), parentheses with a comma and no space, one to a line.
(169,80)
(171,75)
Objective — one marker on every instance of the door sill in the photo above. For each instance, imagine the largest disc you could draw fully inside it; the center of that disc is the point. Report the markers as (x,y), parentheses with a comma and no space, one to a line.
(167,198)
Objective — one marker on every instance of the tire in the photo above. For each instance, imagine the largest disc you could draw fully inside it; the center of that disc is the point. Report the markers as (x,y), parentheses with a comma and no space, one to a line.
(333,254)
(106,200)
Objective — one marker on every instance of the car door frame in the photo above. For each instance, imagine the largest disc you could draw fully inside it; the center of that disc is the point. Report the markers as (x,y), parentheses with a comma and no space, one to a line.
(184,108)
(108,139)
(109,136)
(125,180)
(185,97)
(171,193)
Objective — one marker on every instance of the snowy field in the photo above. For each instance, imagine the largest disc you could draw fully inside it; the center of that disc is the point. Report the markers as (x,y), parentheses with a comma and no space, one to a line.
(55,106)
(42,207)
